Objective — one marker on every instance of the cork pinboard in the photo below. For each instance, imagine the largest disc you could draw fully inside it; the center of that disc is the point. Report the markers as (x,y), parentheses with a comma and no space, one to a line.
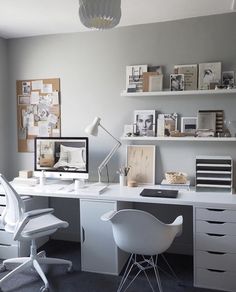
(38,111)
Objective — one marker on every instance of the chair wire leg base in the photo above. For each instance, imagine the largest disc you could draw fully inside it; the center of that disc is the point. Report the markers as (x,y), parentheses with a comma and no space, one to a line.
(143,265)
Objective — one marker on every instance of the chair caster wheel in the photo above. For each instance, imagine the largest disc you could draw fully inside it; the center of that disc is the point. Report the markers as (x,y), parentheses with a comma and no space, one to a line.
(70,269)
(44,289)
(2,269)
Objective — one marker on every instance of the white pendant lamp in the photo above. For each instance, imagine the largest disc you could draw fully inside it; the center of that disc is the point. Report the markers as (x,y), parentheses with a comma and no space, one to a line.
(100,14)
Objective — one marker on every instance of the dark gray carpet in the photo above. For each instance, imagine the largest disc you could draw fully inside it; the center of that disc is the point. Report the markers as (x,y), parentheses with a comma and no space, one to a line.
(77,281)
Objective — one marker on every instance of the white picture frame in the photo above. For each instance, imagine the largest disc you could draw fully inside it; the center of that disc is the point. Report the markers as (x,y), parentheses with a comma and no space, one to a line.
(209,73)
(228,78)
(145,122)
(141,159)
(166,123)
(189,125)
(176,82)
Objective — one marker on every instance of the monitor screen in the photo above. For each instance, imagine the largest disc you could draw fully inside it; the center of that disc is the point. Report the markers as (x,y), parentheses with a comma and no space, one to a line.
(61,157)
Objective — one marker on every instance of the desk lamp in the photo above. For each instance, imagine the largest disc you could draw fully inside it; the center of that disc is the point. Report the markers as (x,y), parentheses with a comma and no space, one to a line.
(92,129)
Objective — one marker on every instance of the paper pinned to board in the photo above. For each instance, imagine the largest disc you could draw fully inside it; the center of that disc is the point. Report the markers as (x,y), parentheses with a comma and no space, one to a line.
(37,85)
(34,97)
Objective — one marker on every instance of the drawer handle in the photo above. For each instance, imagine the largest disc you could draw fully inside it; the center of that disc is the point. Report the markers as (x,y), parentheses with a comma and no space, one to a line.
(216,252)
(215,222)
(215,210)
(214,234)
(83,235)
(217,271)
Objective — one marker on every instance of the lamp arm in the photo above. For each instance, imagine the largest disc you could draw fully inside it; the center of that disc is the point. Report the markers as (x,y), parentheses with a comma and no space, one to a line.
(109,156)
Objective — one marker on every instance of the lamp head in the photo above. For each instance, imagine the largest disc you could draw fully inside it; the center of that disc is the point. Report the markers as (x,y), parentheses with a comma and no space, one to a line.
(92,129)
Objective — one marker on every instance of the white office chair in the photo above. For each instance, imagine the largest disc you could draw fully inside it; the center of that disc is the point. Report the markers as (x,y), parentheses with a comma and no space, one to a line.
(140,233)
(28,226)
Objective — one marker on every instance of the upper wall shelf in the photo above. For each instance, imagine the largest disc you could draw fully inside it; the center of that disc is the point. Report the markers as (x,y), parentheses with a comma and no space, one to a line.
(194,139)
(187,92)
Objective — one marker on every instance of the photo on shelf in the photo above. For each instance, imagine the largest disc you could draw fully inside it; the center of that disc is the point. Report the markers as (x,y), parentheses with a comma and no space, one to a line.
(166,123)
(134,76)
(190,75)
(141,159)
(208,73)
(228,78)
(189,125)
(176,82)
(145,122)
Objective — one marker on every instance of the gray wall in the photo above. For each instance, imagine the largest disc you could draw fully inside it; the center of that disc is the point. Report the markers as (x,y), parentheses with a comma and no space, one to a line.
(91,66)
(5,116)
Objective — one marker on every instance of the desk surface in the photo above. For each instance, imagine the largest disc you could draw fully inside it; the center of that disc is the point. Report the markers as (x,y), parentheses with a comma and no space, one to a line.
(116,193)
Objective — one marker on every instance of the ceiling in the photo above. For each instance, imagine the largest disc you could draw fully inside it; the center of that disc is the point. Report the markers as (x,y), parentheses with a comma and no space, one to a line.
(24,18)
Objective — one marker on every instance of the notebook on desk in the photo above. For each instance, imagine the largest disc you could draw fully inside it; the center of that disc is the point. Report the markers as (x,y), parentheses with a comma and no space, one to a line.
(159,193)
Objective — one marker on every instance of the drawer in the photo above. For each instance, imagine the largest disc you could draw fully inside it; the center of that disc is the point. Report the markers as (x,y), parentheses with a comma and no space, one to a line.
(216,227)
(215,279)
(7,252)
(6,238)
(215,260)
(221,215)
(218,243)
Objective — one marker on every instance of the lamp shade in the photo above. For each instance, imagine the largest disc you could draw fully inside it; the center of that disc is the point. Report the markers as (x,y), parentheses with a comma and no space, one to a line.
(92,129)
(100,14)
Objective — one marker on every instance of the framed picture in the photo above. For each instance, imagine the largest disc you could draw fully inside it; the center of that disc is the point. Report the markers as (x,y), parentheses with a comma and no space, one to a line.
(176,82)
(208,73)
(228,78)
(166,123)
(189,125)
(144,121)
(134,77)
(141,159)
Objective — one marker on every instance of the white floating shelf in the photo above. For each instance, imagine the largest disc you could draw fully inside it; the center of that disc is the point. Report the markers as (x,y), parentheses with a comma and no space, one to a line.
(186,92)
(182,139)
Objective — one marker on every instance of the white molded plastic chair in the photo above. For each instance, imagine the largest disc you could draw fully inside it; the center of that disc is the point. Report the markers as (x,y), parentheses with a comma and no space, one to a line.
(140,233)
(28,226)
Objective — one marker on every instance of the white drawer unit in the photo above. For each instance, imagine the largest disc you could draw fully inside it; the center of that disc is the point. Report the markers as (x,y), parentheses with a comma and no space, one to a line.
(10,248)
(215,249)
(214,173)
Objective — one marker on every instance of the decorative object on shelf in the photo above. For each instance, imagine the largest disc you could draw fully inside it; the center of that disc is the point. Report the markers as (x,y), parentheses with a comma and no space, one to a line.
(205,133)
(134,76)
(232,128)
(155,83)
(156,68)
(176,82)
(145,122)
(206,121)
(128,130)
(228,78)
(214,173)
(166,123)
(219,124)
(176,177)
(92,129)
(208,72)
(190,75)
(99,14)
(147,79)
(189,125)
(177,133)
(141,159)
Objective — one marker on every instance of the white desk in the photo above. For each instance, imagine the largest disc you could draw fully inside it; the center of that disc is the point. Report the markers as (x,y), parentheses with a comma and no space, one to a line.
(214,230)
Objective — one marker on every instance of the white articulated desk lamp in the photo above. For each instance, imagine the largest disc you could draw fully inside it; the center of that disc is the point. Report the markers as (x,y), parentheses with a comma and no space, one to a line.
(92,129)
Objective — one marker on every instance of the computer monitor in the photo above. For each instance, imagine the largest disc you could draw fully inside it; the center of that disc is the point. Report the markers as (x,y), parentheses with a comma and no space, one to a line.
(65,158)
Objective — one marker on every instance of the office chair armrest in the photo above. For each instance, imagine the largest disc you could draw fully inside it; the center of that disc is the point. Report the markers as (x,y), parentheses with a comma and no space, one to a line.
(108,216)
(27,217)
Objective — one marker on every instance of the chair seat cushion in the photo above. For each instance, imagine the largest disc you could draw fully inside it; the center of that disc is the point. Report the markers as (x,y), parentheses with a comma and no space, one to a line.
(45,223)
